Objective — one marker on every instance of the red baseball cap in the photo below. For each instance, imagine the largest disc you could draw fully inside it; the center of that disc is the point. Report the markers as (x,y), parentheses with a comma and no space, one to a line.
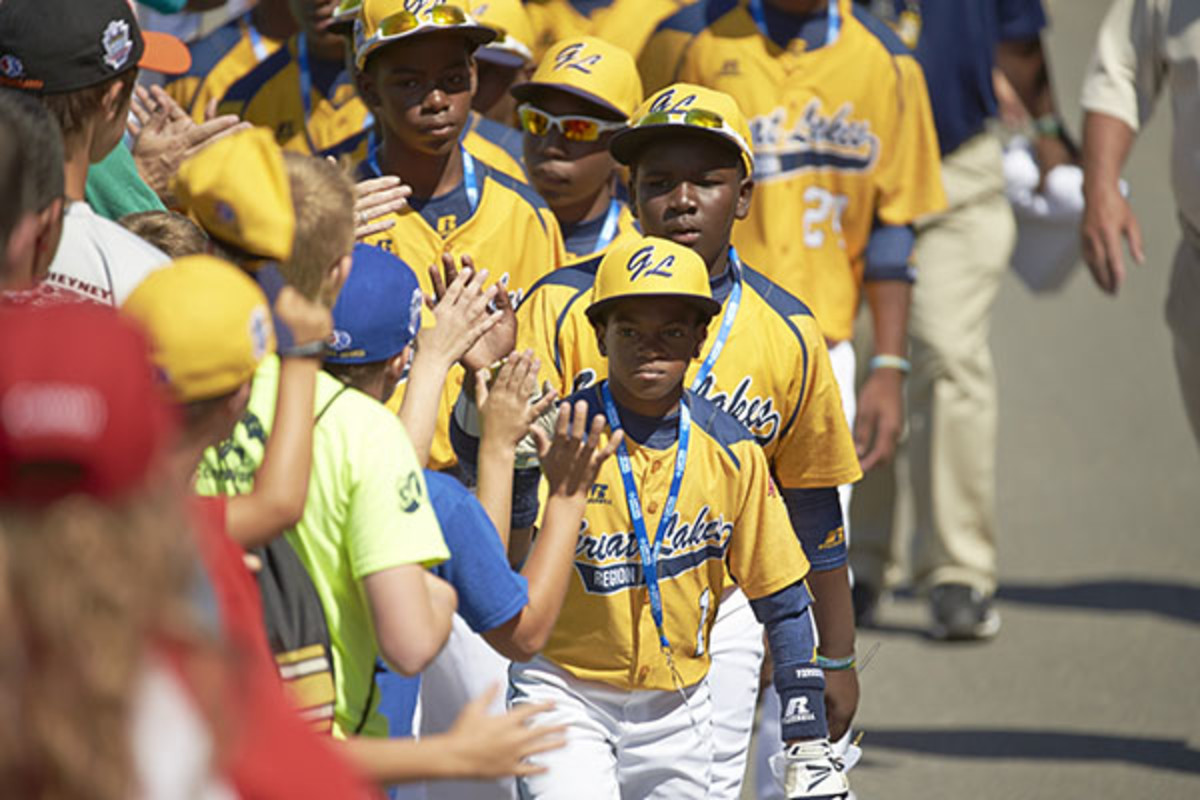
(81,410)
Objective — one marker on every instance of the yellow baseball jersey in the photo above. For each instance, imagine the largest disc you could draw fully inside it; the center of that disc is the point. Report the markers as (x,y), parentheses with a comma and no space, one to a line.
(497,145)
(729,515)
(511,233)
(587,240)
(625,23)
(773,375)
(843,137)
(332,121)
(219,60)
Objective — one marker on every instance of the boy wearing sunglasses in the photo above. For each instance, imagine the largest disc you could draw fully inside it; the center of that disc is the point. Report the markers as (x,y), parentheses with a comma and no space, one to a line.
(687,149)
(583,91)
(628,660)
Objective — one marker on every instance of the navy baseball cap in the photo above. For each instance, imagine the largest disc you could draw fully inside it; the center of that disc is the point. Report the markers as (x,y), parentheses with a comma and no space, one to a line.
(378,311)
(51,46)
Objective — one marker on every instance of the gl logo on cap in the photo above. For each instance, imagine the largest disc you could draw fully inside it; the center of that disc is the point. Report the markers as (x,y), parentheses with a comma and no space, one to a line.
(572,57)
(667,102)
(11,66)
(117,43)
(642,265)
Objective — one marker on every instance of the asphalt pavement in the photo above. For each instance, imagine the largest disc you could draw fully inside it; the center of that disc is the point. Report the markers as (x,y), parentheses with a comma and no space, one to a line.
(1090,689)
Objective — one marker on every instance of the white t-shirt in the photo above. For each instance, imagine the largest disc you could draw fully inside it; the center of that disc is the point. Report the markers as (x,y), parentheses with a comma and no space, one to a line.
(99,259)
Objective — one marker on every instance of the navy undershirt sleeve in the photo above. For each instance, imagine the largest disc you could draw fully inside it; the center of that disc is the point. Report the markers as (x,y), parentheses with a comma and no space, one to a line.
(816,516)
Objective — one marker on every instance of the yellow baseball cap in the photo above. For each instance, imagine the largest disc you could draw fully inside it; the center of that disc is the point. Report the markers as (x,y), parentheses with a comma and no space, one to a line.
(512,46)
(208,322)
(381,22)
(685,106)
(590,68)
(237,189)
(647,266)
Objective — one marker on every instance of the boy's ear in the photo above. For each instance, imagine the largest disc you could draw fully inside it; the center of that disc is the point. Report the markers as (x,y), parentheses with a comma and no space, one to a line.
(745,192)
(366,89)
(631,186)
(398,363)
(113,103)
(598,328)
(338,273)
(701,336)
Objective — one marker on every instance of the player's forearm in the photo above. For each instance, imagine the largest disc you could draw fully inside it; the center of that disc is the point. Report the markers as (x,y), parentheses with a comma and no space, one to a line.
(495,483)
(888,302)
(422,397)
(833,611)
(1107,141)
(281,484)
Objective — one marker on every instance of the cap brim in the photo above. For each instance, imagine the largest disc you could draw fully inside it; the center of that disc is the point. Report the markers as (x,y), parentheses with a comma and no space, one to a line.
(626,143)
(525,91)
(476,36)
(501,57)
(164,53)
(705,304)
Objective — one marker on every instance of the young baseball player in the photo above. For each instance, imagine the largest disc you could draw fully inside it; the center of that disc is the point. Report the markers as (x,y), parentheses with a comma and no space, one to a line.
(627,661)
(82,69)
(689,179)
(846,159)
(583,91)
(303,92)
(223,57)
(32,220)
(417,74)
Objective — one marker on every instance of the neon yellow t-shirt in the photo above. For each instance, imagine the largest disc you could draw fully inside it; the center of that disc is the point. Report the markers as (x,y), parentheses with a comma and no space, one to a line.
(367,510)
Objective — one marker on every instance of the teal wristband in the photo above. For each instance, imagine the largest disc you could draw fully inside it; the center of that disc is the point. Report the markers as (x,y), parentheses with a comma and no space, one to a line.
(885,361)
(835,664)
(1048,125)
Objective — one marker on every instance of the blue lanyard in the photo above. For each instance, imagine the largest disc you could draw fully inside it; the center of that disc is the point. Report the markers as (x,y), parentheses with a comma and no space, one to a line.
(727,317)
(649,554)
(470,182)
(832,31)
(256,42)
(608,230)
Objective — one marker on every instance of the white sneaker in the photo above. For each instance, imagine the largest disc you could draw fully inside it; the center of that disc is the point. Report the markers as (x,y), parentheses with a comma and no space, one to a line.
(810,771)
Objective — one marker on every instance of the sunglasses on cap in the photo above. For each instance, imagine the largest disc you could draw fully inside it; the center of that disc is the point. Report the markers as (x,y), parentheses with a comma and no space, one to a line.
(695,117)
(403,22)
(573,127)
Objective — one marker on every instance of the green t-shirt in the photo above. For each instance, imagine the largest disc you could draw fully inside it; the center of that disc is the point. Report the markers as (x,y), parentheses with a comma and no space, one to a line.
(114,187)
(367,510)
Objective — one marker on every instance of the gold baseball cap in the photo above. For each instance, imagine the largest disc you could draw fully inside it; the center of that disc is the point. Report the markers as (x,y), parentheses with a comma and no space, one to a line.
(382,22)
(589,68)
(647,266)
(237,189)
(685,106)
(512,46)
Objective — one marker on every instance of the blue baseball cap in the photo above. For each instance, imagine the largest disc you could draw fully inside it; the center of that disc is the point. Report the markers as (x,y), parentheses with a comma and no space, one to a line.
(378,311)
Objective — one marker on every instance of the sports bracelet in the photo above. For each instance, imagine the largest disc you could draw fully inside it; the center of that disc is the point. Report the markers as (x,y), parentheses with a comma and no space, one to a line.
(311,350)
(836,664)
(885,361)
(1048,125)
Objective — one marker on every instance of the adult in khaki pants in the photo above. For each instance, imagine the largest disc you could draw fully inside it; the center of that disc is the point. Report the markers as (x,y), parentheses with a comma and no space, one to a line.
(960,256)
(1144,46)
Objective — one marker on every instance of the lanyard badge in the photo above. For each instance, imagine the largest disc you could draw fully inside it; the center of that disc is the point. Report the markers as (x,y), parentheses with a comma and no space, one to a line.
(727,318)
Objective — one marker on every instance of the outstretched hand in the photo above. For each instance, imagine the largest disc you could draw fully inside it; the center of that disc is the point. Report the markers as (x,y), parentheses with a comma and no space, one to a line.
(505,411)
(571,460)
(374,200)
(461,315)
(487,747)
(164,136)
(500,340)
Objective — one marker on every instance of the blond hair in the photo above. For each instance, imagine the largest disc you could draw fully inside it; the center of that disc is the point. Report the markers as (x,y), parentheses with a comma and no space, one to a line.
(173,233)
(85,589)
(323,198)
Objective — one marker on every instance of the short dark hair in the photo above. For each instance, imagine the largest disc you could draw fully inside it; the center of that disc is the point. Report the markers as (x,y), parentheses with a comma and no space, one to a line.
(12,183)
(356,374)
(74,109)
(40,145)
(173,233)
